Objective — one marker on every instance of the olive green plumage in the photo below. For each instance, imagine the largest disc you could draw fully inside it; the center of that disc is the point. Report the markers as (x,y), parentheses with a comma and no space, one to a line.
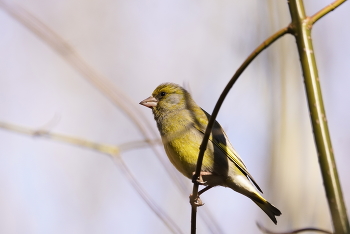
(182,123)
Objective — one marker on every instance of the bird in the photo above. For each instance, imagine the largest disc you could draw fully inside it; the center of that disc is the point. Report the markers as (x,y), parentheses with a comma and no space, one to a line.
(181,124)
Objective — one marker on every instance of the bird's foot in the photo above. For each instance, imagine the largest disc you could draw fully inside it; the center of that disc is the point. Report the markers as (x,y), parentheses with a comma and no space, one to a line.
(199,180)
(196,201)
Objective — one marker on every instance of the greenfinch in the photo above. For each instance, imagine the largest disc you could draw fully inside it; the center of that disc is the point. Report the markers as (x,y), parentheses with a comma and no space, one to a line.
(181,124)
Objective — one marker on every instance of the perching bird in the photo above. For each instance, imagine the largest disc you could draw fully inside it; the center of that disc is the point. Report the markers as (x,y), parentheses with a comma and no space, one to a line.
(182,123)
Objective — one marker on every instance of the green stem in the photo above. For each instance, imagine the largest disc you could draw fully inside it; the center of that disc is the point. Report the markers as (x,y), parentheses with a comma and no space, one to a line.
(301,26)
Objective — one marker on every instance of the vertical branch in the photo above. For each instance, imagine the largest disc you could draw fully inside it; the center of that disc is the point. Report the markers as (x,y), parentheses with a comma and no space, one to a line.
(301,26)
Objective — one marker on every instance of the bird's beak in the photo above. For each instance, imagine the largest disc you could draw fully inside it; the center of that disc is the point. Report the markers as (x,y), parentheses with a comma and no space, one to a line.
(149,102)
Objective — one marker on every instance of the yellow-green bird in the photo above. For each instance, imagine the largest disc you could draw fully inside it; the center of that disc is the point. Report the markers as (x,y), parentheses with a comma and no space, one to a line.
(182,123)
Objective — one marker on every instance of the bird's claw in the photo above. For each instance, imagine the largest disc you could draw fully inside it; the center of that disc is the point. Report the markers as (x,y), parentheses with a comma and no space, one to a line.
(199,180)
(196,201)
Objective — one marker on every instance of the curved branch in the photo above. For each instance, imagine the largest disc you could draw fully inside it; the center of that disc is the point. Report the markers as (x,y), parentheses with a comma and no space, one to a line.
(325,11)
(222,97)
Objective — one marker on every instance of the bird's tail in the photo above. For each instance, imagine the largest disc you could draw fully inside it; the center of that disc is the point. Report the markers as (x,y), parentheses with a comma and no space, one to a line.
(245,187)
(269,209)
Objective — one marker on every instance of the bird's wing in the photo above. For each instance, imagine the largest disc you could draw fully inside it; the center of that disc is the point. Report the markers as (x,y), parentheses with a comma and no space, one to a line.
(220,139)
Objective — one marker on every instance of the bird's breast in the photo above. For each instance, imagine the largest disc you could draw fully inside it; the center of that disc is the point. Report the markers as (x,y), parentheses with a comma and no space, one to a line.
(181,142)
(182,149)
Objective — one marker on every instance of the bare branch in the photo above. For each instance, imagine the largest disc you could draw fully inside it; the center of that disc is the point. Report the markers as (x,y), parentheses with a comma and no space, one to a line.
(76,141)
(110,150)
(103,148)
(325,11)
(156,209)
(324,149)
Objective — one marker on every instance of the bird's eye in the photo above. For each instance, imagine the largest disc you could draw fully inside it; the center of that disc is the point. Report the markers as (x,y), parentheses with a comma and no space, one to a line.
(162,94)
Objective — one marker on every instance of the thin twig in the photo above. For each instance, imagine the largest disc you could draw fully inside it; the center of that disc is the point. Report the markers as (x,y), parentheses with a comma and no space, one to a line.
(267,231)
(325,11)
(223,95)
(110,150)
(103,148)
(146,198)
(77,141)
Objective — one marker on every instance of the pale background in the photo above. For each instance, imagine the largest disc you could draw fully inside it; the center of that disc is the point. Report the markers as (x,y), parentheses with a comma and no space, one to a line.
(52,187)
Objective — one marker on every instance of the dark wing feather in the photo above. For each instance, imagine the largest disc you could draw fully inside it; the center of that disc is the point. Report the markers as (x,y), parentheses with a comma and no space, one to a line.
(220,139)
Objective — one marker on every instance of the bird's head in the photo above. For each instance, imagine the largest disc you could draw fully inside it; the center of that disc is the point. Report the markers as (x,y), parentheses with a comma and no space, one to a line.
(166,98)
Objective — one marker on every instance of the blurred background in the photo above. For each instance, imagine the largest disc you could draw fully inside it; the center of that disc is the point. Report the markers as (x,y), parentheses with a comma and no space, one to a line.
(50,52)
